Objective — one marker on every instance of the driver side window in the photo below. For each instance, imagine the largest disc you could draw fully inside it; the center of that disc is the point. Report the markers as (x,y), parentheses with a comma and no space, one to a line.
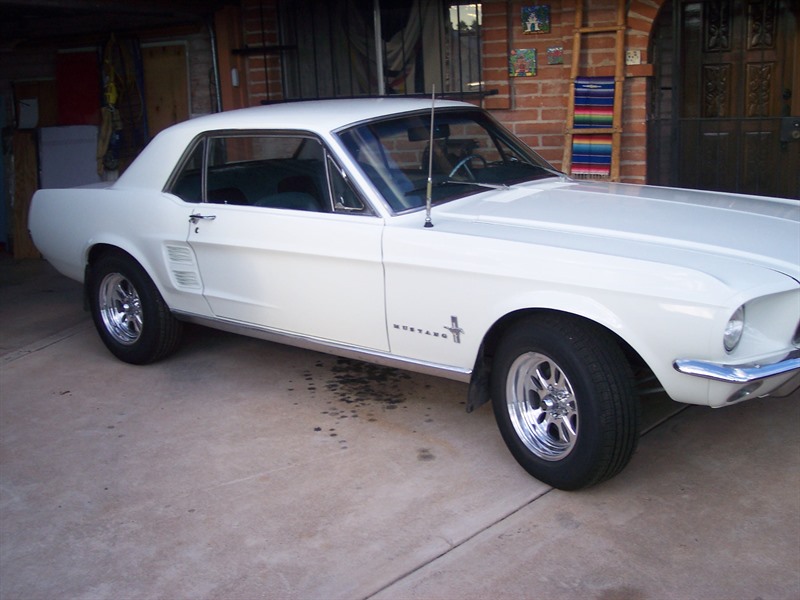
(282,171)
(269,171)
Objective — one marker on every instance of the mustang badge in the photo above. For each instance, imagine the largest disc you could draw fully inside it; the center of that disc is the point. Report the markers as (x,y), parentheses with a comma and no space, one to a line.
(454,329)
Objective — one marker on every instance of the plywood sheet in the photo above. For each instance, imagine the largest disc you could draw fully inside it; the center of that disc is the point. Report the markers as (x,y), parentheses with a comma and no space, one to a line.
(166,86)
(25,183)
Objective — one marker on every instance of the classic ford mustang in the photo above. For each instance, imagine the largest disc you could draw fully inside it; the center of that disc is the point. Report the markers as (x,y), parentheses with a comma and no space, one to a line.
(423,235)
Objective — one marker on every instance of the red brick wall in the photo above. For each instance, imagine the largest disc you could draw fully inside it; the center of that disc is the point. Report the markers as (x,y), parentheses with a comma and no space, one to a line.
(534,108)
(263,70)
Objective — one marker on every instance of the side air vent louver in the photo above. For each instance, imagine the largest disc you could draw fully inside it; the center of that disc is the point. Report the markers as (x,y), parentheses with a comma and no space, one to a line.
(186,279)
(179,254)
(182,267)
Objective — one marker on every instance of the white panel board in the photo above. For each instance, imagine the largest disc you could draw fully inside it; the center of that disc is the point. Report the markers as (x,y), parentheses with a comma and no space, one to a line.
(67,156)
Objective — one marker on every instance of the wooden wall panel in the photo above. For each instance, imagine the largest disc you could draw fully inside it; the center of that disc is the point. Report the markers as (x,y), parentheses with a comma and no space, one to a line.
(166,86)
(26,180)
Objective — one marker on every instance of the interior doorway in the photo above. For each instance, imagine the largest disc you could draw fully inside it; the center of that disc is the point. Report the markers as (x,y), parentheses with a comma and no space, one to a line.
(725,103)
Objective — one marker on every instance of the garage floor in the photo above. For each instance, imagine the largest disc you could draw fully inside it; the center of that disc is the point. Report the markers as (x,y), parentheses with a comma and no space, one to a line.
(243,469)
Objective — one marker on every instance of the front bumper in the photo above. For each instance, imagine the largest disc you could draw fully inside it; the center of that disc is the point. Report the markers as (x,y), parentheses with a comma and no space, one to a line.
(778,377)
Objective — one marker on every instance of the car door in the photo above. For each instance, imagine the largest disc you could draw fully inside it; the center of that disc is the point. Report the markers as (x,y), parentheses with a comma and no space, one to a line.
(275,252)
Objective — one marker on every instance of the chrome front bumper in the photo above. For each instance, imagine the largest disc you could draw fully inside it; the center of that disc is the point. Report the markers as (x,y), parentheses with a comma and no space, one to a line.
(778,378)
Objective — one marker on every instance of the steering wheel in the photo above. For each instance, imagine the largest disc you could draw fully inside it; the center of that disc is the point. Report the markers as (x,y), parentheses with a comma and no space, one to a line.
(464,163)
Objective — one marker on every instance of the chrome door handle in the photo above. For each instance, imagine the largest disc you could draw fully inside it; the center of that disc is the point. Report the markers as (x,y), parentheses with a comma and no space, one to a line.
(194,218)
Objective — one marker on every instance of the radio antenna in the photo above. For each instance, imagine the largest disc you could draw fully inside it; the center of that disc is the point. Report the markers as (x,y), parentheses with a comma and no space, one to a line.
(428,222)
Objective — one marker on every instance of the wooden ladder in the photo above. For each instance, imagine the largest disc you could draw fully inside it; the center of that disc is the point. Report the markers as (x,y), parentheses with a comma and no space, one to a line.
(619,78)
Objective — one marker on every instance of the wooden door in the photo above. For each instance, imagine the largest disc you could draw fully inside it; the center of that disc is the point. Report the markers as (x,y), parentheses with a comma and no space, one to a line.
(166,84)
(737,80)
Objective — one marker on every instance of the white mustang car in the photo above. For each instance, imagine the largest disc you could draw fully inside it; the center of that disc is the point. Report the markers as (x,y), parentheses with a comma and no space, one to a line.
(434,240)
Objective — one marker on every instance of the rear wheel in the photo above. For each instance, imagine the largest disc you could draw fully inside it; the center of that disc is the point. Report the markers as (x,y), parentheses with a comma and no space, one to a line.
(564,401)
(129,313)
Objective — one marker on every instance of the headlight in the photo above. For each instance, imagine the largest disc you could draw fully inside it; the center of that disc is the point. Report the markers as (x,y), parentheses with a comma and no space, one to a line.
(734,330)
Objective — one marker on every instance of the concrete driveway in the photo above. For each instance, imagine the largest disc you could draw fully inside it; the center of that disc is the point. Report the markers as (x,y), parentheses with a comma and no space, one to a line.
(243,469)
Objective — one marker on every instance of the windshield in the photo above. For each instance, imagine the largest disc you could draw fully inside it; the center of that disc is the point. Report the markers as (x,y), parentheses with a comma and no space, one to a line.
(470,153)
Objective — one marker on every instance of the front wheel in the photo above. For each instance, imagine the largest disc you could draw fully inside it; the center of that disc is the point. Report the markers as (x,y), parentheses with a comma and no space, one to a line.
(129,313)
(564,400)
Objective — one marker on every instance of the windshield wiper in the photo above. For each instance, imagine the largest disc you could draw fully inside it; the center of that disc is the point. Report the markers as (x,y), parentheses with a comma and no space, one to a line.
(493,186)
(560,174)
(547,169)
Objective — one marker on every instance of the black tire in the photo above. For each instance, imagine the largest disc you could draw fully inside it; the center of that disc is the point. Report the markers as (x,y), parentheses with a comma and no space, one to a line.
(128,311)
(564,400)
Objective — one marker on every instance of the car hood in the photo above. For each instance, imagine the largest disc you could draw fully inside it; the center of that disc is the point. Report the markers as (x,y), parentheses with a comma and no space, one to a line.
(687,227)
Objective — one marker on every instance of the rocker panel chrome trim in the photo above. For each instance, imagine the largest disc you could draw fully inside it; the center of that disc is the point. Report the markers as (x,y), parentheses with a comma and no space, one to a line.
(309,343)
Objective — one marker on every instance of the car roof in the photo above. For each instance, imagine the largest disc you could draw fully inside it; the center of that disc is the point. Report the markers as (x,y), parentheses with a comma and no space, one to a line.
(156,162)
(315,115)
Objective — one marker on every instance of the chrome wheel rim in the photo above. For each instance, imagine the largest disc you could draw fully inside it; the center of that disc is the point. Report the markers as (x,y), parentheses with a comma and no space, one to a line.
(542,407)
(120,309)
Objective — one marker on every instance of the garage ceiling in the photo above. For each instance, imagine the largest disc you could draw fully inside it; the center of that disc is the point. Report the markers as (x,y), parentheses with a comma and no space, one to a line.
(31,22)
